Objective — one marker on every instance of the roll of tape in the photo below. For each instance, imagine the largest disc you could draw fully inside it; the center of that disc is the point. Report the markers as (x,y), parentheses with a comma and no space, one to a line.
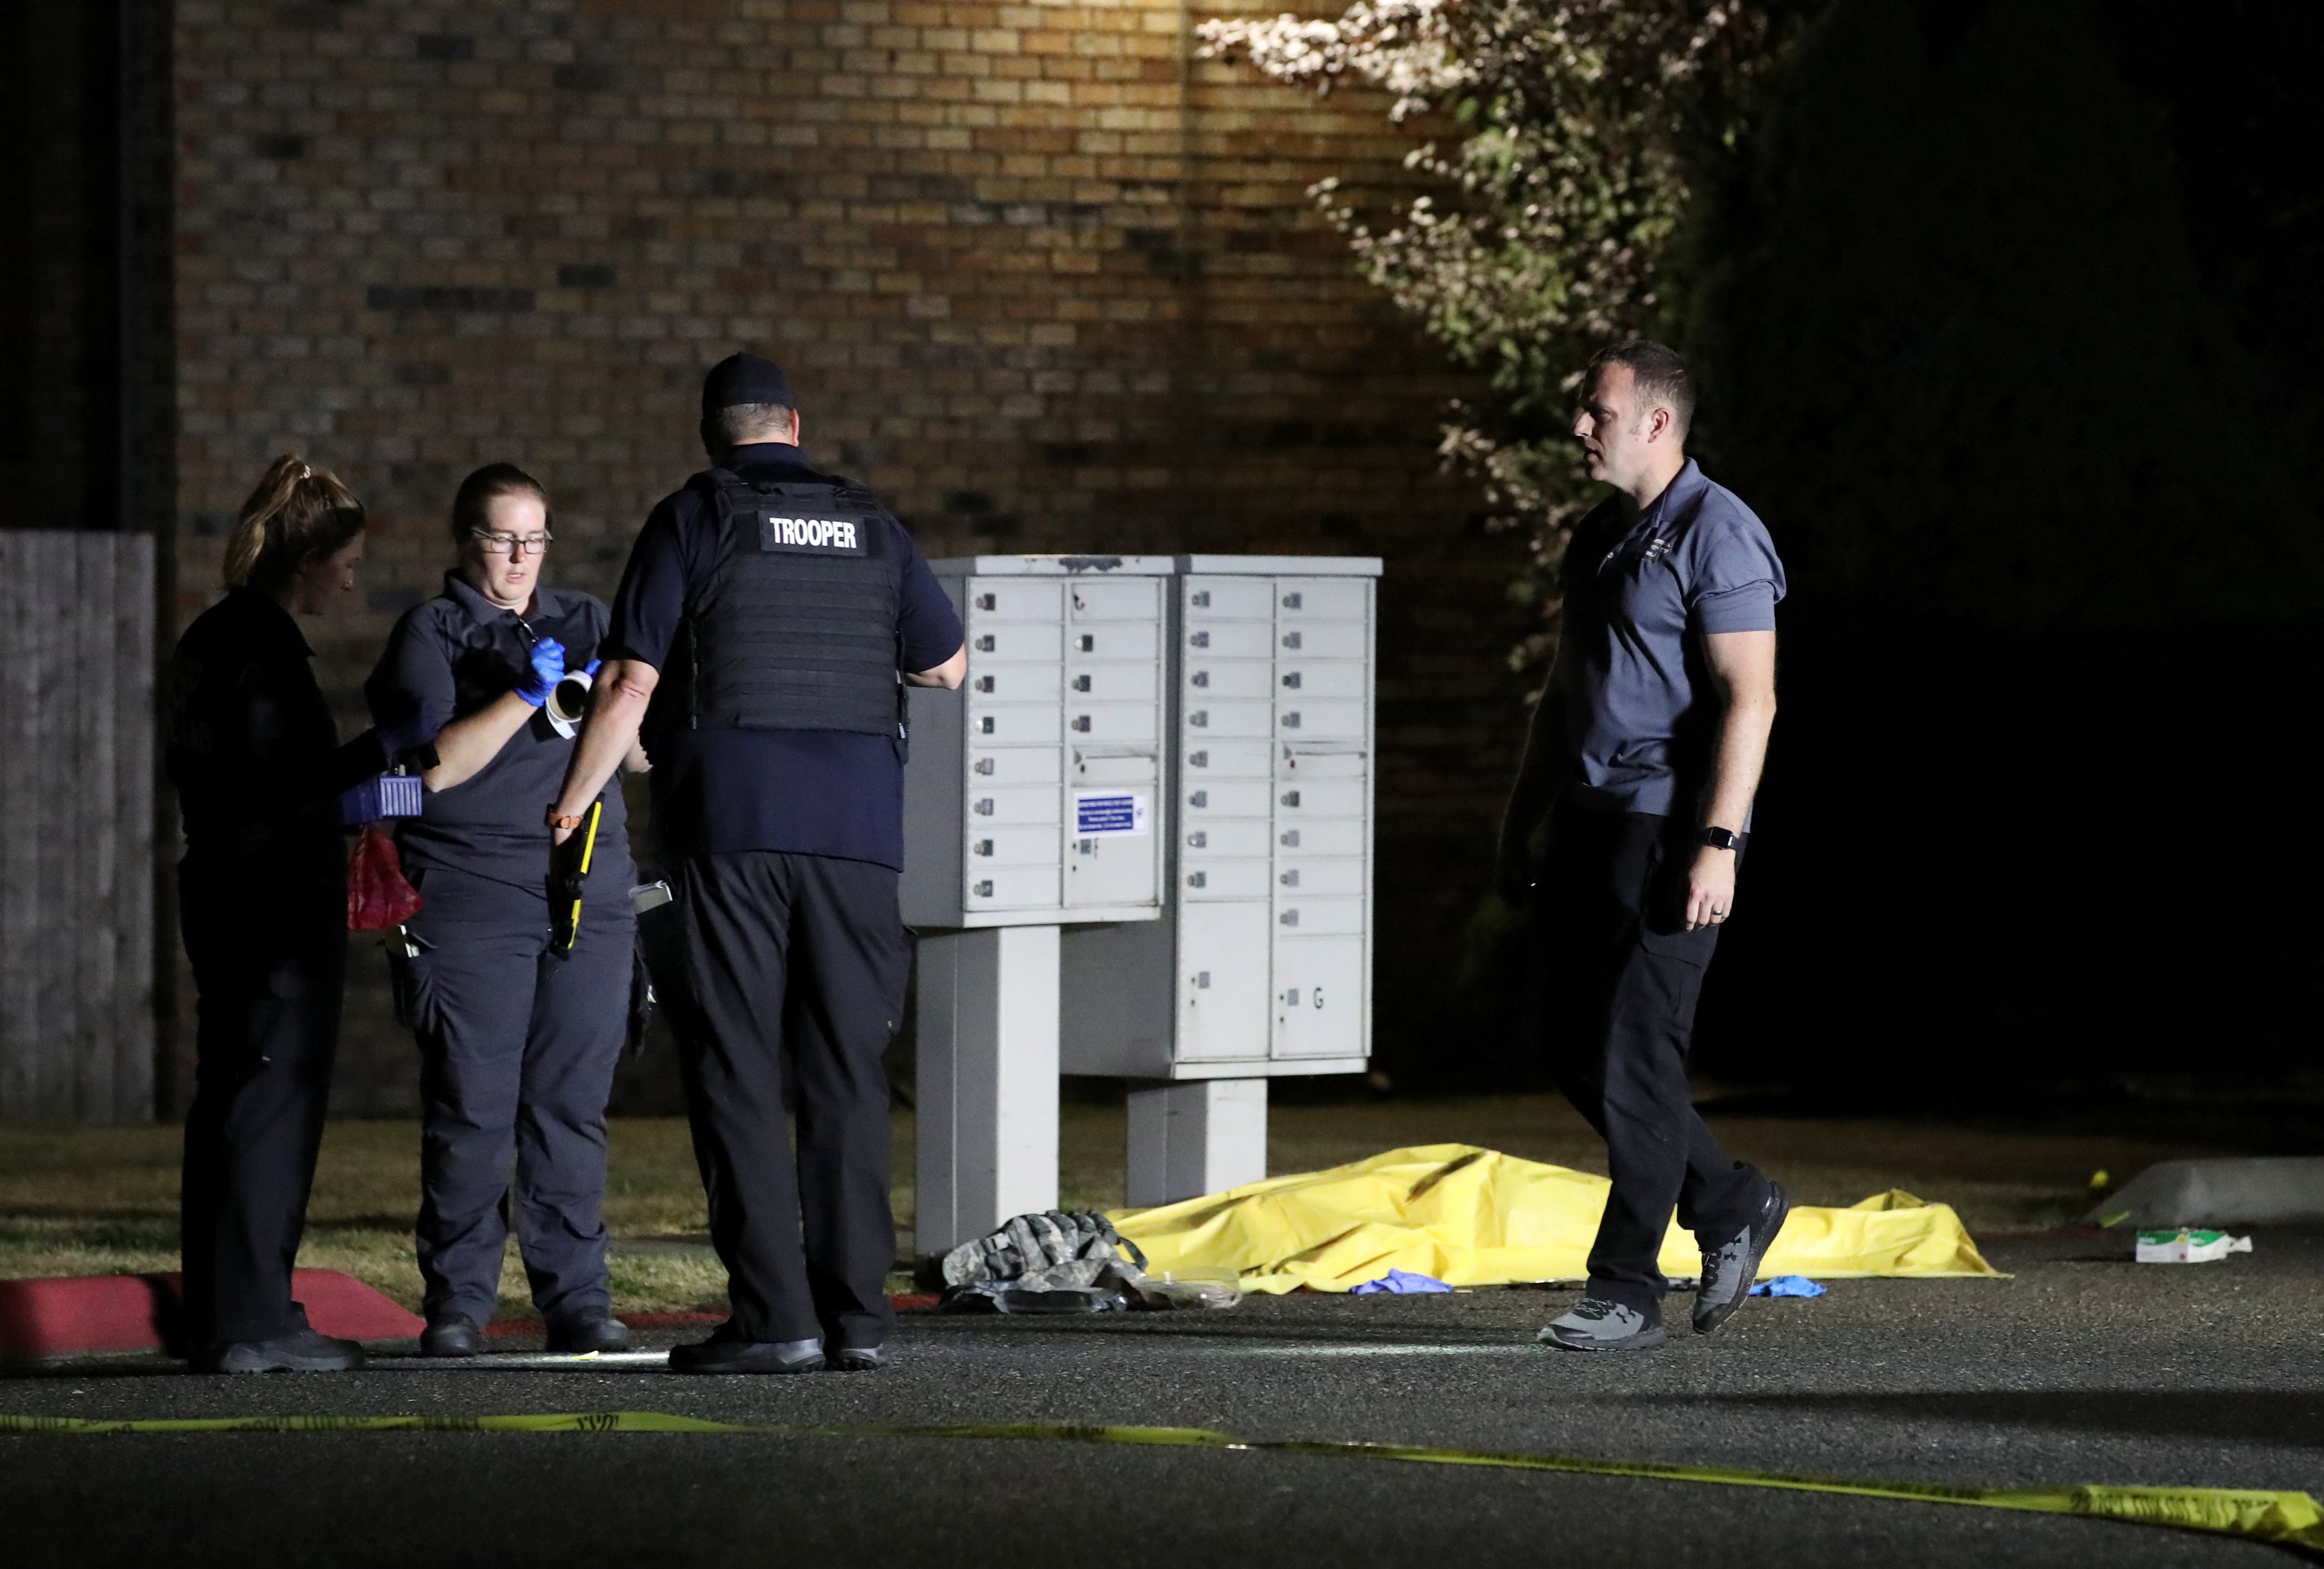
(569,704)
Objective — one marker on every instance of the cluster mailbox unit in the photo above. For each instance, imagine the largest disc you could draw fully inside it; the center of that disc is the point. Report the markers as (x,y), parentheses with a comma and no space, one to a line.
(1139,845)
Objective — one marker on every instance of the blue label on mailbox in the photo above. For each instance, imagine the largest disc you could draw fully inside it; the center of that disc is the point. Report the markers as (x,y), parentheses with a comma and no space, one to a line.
(1099,812)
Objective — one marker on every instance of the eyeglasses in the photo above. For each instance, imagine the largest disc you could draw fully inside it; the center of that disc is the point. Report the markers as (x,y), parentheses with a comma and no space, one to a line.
(511,544)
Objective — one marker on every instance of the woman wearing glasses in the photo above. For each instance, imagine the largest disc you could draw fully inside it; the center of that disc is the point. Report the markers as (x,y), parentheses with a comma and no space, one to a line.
(518,1044)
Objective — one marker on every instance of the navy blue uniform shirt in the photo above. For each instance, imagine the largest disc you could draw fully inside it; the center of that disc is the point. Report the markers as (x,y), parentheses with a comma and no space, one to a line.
(453,655)
(813,792)
(1639,598)
(251,746)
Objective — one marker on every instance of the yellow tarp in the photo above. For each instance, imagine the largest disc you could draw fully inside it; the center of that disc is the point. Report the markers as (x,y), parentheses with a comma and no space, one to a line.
(1476,1217)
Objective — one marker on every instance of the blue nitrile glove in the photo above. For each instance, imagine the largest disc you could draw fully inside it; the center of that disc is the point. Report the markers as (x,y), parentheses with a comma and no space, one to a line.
(1400,1283)
(548,669)
(1788,1286)
(590,669)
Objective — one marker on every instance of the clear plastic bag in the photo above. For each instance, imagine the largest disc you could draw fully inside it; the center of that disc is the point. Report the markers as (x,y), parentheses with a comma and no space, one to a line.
(1196,1286)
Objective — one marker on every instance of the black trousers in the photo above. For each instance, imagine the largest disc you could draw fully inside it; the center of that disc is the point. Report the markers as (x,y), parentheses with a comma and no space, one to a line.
(1614,992)
(270,957)
(795,968)
(518,1050)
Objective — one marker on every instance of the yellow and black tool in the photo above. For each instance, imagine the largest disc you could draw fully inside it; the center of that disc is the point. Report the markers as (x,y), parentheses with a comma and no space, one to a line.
(570,870)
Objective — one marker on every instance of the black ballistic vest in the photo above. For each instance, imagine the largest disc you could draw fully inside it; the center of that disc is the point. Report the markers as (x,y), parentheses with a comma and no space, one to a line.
(795,627)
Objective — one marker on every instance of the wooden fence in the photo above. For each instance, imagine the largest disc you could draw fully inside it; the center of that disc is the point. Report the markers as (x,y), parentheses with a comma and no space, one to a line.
(77,869)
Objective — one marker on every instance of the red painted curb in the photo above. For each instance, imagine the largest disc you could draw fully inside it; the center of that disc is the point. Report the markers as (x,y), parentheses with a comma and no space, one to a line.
(74,1314)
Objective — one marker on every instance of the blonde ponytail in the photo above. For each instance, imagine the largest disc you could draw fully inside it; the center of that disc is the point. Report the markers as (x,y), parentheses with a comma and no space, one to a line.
(298,514)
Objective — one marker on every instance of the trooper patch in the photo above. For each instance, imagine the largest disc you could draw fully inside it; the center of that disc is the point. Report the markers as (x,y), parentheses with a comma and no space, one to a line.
(810,536)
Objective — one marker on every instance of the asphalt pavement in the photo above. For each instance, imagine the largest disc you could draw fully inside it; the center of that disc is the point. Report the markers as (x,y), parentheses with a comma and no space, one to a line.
(2082,1368)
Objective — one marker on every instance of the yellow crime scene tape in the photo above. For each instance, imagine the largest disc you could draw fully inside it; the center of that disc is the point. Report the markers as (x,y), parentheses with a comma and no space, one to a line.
(2287,1519)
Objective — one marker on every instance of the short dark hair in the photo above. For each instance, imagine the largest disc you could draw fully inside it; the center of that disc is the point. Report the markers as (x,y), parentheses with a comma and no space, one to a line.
(1656,371)
(726,426)
(472,503)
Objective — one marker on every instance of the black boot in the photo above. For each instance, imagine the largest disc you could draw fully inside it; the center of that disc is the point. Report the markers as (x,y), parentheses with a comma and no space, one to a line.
(588,1332)
(454,1334)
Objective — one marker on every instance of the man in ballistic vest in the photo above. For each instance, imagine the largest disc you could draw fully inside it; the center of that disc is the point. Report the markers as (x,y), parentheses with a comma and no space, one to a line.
(768,618)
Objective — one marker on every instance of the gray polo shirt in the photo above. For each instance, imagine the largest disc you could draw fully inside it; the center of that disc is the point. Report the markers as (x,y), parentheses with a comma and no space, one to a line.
(1639,597)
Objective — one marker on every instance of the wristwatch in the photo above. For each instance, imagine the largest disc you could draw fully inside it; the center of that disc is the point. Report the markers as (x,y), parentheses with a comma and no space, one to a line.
(1722,839)
(556,821)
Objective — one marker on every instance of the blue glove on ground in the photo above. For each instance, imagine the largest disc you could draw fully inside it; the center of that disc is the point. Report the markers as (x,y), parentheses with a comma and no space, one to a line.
(548,669)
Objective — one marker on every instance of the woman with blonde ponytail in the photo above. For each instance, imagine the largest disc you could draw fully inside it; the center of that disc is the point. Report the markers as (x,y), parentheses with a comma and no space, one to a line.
(256,760)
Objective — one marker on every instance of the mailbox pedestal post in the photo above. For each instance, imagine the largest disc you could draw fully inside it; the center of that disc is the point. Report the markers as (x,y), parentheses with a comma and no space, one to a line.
(1203,1136)
(987,1082)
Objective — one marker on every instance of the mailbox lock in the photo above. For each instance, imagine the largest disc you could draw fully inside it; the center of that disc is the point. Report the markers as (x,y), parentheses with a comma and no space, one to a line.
(987,602)
(1292,680)
(984,889)
(1289,917)
(1291,720)
(1199,678)
(1291,878)
(1291,639)
(1201,980)
(1290,798)
(1082,723)
(1290,841)
(1198,879)
(1198,840)
(1200,718)
(1081,683)
(1198,759)
(1200,599)
(984,726)
(984,847)
(984,808)
(1089,642)
(1290,602)
(984,683)
(1201,640)
(984,765)
(1199,799)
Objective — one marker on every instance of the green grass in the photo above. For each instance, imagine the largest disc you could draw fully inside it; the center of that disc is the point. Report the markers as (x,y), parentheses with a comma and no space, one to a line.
(93,1201)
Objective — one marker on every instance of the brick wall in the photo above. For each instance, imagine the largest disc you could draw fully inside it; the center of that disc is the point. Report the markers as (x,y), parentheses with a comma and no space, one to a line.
(1040,279)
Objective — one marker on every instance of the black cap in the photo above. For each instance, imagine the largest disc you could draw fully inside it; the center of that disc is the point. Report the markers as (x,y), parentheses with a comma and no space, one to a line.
(743,378)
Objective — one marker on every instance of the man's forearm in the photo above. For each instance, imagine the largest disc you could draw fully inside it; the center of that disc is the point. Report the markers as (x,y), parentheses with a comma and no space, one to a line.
(622,690)
(1735,764)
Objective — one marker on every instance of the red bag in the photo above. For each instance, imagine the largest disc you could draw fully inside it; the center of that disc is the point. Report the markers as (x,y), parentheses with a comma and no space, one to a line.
(378,897)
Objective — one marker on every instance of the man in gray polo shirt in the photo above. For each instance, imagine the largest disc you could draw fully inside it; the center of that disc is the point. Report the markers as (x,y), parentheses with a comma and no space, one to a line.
(1645,753)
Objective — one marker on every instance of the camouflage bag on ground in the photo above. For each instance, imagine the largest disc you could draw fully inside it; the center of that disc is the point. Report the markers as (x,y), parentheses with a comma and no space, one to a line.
(1051,1262)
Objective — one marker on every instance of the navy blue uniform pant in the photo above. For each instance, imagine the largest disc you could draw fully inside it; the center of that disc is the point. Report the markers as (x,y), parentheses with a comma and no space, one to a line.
(269,956)
(518,1049)
(794,969)
(1614,990)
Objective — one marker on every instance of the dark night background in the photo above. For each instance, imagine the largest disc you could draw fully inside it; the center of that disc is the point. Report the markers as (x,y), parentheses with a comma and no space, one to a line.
(2007,323)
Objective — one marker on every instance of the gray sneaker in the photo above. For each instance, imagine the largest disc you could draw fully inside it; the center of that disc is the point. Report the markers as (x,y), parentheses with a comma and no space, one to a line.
(1728,1274)
(1601,1325)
